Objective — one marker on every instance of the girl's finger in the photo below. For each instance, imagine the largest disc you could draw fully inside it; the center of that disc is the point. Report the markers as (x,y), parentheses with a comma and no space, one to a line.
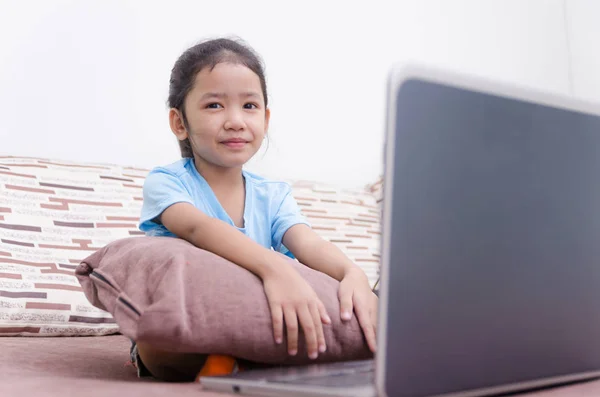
(346,307)
(291,322)
(374,320)
(314,310)
(310,331)
(364,319)
(277,317)
(323,313)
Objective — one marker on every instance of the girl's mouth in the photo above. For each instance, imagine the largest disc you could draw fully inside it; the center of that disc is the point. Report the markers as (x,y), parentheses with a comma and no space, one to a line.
(235,143)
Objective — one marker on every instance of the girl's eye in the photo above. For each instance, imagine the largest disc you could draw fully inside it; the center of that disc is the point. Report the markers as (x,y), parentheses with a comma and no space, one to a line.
(214,106)
(250,106)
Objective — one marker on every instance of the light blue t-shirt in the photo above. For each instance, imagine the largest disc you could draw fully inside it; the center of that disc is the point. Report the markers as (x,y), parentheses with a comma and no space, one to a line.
(270,210)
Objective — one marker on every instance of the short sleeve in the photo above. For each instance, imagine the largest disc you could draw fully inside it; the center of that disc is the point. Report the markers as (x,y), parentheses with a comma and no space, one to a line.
(161,190)
(287,215)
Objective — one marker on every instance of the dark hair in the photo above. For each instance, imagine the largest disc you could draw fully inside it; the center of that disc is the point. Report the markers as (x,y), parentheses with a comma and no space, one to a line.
(208,54)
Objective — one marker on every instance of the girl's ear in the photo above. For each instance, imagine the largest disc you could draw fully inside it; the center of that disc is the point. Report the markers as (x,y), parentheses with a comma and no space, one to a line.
(177,124)
(267,118)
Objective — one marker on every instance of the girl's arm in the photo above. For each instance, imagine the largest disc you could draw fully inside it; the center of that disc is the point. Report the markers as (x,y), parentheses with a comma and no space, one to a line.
(319,254)
(290,297)
(354,293)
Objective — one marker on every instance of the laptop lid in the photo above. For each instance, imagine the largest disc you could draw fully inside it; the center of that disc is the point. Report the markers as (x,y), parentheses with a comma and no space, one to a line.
(491,238)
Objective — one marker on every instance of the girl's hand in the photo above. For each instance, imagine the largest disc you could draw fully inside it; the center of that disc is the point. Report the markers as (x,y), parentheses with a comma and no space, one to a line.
(291,298)
(355,294)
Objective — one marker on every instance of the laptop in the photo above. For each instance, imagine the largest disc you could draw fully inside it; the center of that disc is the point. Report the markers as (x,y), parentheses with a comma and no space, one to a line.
(490,272)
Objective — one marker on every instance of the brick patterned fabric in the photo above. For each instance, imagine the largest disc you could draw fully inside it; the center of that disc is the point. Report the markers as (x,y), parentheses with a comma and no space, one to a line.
(376,190)
(347,218)
(55,213)
(52,215)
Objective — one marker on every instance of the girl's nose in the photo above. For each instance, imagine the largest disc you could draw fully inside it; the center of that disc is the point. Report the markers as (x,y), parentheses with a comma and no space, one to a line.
(234,121)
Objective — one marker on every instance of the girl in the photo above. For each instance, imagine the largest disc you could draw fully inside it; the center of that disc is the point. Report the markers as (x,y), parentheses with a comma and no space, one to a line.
(219,114)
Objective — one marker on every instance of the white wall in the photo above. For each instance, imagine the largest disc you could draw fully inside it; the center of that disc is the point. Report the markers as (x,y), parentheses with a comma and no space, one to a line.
(583,27)
(87,80)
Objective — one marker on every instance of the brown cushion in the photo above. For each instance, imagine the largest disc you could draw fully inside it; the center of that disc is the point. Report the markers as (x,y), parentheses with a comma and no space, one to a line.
(177,297)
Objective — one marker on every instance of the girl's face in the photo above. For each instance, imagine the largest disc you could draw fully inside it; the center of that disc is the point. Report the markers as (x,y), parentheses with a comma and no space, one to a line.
(226,115)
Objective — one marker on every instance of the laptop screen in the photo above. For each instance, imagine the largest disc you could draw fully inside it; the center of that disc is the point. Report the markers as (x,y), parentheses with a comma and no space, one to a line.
(495,242)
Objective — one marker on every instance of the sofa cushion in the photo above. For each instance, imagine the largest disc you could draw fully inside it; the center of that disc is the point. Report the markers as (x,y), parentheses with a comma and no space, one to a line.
(349,218)
(52,215)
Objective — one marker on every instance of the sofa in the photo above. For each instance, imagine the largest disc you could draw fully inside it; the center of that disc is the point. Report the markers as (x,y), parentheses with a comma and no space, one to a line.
(54,213)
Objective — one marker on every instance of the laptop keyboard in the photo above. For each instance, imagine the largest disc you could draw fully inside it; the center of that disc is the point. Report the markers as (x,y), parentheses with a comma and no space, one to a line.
(345,380)
(343,377)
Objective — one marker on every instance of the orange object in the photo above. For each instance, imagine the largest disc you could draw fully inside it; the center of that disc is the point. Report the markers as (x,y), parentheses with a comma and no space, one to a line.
(218,365)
